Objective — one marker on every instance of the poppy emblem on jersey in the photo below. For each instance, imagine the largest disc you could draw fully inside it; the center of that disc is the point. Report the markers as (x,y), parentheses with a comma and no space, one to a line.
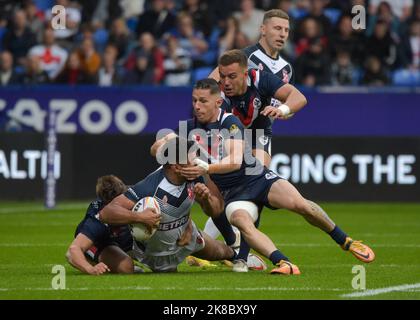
(199,240)
(285,76)
(190,191)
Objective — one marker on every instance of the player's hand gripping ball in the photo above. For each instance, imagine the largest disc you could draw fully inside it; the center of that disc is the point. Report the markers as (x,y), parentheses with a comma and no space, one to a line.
(139,230)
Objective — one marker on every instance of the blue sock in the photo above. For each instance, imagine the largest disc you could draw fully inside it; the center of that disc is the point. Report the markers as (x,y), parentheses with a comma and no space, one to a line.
(276,256)
(225,229)
(338,235)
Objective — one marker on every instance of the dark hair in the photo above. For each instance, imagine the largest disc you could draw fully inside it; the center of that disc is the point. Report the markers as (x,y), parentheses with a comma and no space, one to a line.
(234,56)
(108,187)
(179,148)
(275,13)
(207,84)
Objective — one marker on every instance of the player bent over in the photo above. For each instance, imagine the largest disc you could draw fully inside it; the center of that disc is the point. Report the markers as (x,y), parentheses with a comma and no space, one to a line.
(99,248)
(175,195)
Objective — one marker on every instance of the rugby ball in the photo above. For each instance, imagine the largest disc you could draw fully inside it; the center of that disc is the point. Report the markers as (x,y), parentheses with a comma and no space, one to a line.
(139,230)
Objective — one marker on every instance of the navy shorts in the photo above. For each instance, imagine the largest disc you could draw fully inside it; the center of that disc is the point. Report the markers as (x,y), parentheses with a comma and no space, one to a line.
(254,189)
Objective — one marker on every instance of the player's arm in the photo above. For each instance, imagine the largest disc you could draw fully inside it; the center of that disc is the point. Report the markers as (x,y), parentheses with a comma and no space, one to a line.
(215,74)
(118,211)
(209,198)
(76,256)
(158,143)
(232,162)
(293,100)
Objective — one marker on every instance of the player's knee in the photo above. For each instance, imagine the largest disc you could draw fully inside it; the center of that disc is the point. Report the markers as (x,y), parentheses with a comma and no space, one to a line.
(243,221)
(126,266)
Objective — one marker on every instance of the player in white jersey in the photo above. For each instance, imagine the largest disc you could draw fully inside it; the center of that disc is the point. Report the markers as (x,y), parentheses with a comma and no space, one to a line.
(175,195)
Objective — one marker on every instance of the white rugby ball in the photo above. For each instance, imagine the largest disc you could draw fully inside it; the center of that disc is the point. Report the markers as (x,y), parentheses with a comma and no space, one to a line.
(139,230)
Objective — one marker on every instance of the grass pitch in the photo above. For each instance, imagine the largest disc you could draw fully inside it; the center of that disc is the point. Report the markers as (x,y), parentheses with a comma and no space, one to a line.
(33,240)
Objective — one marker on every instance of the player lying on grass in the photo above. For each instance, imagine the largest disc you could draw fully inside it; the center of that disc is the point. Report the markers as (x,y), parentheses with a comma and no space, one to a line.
(97,247)
(244,189)
(175,195)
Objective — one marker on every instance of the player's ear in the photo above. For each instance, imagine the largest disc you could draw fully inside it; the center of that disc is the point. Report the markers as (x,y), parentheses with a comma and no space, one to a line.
(219,102)
(262,30)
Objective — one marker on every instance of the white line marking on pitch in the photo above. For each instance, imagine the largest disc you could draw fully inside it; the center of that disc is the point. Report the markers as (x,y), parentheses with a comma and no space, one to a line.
(374,292)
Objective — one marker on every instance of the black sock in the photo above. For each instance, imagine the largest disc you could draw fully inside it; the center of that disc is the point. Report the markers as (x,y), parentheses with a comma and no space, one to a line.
(276,256)
(225,229)
(243,250)
(338,235)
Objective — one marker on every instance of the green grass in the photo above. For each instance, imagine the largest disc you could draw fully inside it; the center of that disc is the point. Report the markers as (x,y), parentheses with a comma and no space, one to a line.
(33,240)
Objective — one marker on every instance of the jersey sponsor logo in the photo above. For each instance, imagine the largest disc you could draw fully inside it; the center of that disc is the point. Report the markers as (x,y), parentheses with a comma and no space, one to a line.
(260,66)
(173,224)
(270,175)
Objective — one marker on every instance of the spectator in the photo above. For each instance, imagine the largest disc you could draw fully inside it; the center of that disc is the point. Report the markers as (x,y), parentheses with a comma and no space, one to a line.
(177,64)
(34,74)
(35,19)
(52,57)
(120,37)
(145,62)
(250,20)
(73,73)
(190,39)
(411,47)
(7,74)
(156,21)
(374,74)
(385,14)
(312,67)
(345,39)
(316,12)
(109,74)
(402,8)
(90,60)
(382,46)
(65,37)
(198,11)
(342,70)
(308,30)
(19,38)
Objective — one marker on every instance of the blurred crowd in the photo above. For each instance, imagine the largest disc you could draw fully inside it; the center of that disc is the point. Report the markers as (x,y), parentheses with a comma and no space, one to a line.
(175,42)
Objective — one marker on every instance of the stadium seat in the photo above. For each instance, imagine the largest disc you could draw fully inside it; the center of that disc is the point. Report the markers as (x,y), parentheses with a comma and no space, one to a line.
(333,15)
(132,24)
(44,4)
(405,77)
(201,73)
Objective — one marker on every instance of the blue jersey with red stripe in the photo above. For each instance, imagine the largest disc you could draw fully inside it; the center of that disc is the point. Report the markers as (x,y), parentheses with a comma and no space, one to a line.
(212,137)
(261,89)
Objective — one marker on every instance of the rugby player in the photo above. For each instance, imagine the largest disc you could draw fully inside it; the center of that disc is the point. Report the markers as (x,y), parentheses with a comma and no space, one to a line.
(265,56)
(99,248)
(175,195)
(245,190)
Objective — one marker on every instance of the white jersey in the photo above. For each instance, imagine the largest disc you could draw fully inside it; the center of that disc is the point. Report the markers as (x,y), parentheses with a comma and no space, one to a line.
(175,203)
(259,59)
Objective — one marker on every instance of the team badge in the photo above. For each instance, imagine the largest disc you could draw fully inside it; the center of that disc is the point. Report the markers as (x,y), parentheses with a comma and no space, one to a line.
(257,103)
(233,129)
(263,140)
(261,67)
(270,175)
